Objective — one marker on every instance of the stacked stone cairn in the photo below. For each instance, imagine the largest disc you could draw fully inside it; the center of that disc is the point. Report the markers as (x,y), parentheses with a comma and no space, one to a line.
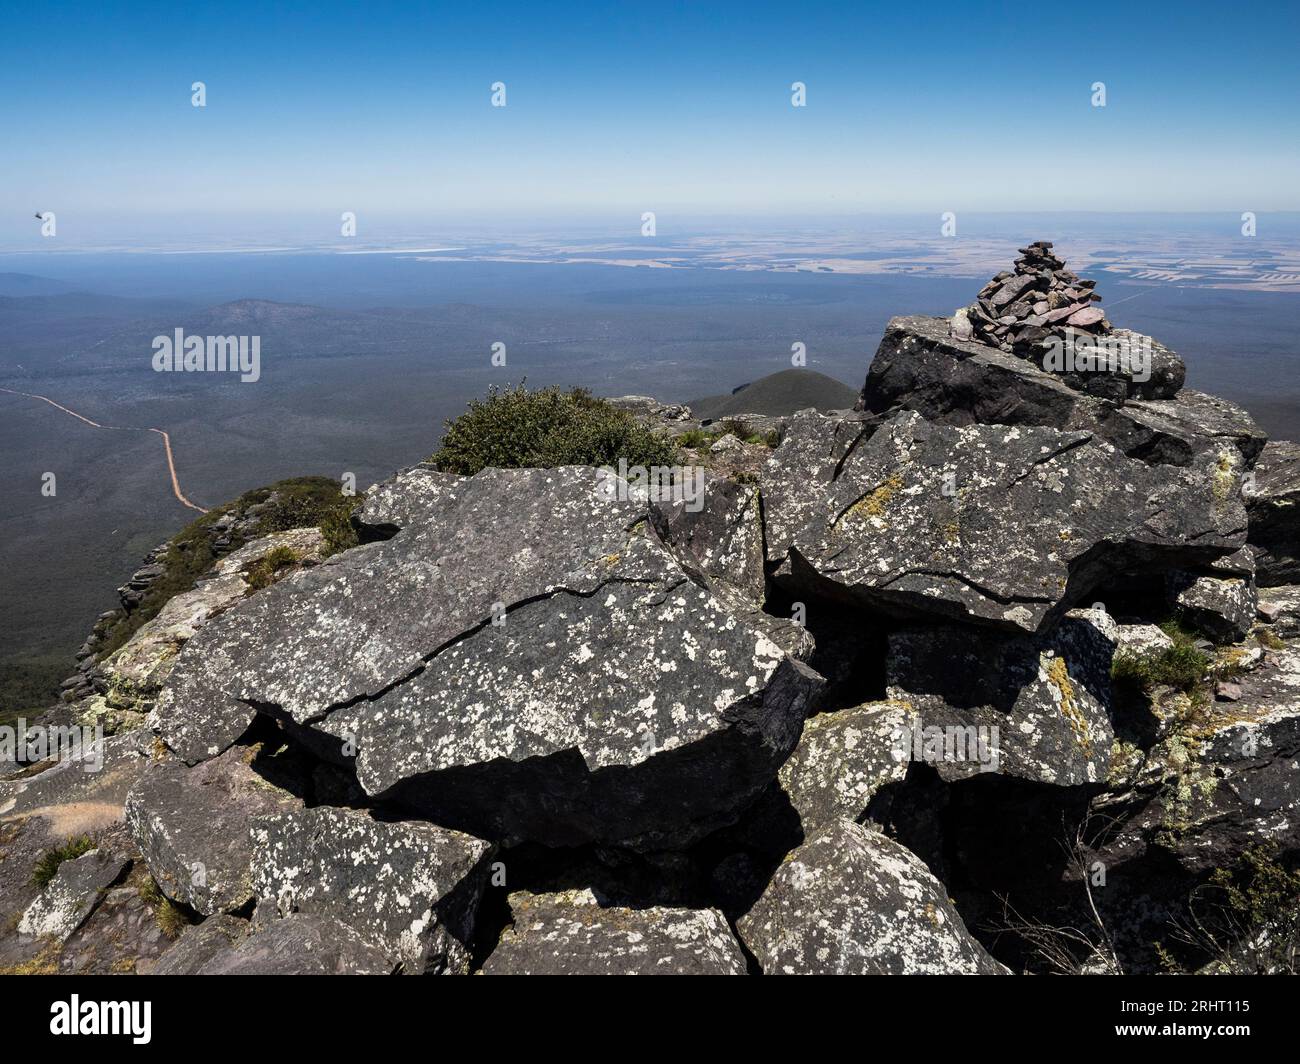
(1021,309)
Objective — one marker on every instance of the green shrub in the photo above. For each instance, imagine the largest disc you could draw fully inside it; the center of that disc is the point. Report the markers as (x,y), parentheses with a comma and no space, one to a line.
(47,865)
(515,428)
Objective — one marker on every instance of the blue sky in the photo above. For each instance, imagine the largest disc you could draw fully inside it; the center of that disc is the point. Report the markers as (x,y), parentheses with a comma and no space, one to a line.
(385,109)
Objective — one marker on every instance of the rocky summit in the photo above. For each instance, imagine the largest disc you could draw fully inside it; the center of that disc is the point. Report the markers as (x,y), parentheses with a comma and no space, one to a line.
(997,673)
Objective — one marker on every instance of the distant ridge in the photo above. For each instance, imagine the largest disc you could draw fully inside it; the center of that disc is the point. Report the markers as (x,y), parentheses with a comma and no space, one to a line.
(777,395)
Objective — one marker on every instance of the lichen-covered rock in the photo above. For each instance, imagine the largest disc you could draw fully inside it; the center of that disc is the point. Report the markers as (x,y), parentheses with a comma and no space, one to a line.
(1222,608)
(1033,707)
(851,901)
(628,704)
(192,826)
(997,525)
(394,503)
(410,888)
(71,895)
(300,944)
(1280,607)
(571,933)
(844,758)
(1273,502)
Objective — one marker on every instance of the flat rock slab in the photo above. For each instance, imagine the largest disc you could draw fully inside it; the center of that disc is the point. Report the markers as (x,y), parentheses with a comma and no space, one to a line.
(192,826)
(1033,707)
(523,659)
(851,901)
(411,888)
(1006,526)
(71,896)
(844,758)
(573,934)
(300,945)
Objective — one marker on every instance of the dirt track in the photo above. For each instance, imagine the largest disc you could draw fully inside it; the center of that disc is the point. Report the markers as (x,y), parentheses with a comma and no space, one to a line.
(167,441)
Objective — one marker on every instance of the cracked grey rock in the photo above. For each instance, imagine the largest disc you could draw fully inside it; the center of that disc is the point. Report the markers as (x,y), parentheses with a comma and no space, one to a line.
(71,896)
(571,933)
(410,888)
(616,700)
(1006,526)
(844,758)
(192,826)
(1048,697)
(722,543)
(851,901)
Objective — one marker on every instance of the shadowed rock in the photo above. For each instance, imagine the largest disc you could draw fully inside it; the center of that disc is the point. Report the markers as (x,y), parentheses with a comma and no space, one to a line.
(1044,701)
(1273,503)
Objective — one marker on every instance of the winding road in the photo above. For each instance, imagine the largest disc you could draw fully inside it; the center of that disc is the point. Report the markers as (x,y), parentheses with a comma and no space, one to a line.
(167,441)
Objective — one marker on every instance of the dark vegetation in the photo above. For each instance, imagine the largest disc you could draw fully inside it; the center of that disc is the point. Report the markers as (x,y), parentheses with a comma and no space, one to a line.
(515,428)
(47,866)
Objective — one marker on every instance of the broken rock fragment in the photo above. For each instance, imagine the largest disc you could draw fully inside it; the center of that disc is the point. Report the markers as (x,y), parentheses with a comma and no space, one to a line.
(572,933)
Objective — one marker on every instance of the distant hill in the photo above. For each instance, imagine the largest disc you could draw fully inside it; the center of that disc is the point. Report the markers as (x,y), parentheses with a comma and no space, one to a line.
(28,284)
(778,394)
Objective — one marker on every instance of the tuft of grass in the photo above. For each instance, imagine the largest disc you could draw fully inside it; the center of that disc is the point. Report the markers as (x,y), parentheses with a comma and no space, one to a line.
(172,919)
(47,865)
(514,428)
(1270,639)
(267,569)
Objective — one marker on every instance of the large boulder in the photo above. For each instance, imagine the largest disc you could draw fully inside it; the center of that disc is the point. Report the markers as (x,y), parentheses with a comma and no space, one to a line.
(572,933)
(851,901)
(629,704)
(411,888)
(1005,526)
(1033,707)
(1273,502)
(920,367)
(192,826)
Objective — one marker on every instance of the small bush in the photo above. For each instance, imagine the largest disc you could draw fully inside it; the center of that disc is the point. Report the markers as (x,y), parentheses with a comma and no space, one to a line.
(47,865)
(518,429)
